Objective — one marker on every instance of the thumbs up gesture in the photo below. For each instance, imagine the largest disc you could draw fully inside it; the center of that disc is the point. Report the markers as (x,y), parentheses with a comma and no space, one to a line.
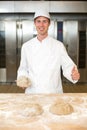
(75,74)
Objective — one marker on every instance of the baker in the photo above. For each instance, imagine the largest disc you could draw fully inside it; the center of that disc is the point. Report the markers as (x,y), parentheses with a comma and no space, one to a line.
(42,59)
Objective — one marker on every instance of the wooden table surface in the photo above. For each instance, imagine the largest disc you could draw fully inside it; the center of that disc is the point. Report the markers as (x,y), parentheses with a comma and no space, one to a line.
(14,117)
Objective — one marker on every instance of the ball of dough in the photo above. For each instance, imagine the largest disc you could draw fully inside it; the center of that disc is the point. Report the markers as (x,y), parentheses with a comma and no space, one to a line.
(23,82)
(61,108)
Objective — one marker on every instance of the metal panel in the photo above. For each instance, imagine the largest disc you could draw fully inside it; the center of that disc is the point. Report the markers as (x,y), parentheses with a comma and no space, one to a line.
(2,53)
(3,75)
(10,30)
(51,6)
(68,6)
(70,38)
(6,6)
(30,6)
(83,70)
(28,30)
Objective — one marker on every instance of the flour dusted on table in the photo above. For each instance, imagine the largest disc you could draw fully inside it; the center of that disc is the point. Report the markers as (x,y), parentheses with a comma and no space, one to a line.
(29,109)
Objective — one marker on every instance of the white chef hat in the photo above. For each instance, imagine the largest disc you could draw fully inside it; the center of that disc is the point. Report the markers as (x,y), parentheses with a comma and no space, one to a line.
(44,13)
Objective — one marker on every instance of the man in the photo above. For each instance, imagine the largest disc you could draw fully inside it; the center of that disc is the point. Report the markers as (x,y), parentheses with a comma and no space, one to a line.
(42,59)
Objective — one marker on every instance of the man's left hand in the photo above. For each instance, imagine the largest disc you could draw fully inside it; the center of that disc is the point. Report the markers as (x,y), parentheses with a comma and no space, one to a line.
(75,73)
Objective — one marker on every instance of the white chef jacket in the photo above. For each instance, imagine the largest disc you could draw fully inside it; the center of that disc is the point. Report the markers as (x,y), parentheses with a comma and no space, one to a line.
(42,63)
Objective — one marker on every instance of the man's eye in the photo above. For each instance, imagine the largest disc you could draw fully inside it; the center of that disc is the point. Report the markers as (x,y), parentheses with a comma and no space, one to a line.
(38,21)
(44,21)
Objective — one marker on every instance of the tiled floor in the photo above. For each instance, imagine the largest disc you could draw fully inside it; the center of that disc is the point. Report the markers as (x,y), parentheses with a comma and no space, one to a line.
(67,88)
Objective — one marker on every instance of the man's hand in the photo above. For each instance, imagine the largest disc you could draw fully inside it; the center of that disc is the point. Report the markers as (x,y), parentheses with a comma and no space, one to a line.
(75,74)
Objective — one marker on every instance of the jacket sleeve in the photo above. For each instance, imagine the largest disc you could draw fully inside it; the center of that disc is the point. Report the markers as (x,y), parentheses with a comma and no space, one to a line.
(23,69)
(67,64)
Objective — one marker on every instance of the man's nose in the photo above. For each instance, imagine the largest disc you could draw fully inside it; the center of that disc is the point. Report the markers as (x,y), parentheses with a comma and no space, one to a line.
(42,23)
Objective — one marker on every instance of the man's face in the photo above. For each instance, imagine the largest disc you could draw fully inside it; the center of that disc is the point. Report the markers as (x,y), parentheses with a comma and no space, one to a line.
(42,25)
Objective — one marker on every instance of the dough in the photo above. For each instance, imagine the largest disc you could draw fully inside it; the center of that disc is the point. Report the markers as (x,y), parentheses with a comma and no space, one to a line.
(30,109)
(61,108)
(23,82)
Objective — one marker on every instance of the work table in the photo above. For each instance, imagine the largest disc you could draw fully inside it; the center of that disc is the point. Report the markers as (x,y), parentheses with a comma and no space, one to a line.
(13,114)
